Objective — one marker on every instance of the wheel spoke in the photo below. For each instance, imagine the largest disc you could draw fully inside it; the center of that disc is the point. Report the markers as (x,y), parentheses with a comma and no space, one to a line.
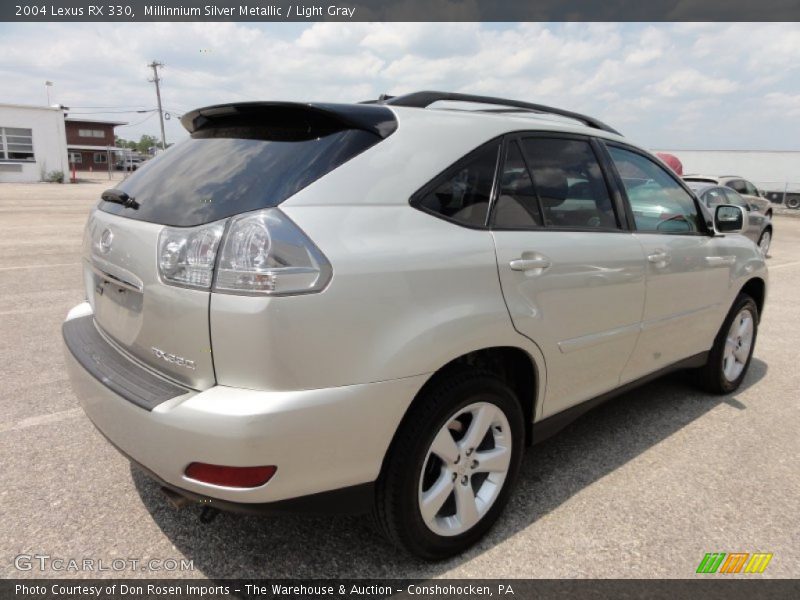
(494,460)
(435,497)
(741,354)
(481,421)
(466,506)
(444,446)
(744,326)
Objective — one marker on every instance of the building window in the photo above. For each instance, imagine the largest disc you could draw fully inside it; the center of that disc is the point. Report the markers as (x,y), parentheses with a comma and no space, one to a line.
(92,133)
(16,143)
(75,158)
(100,157)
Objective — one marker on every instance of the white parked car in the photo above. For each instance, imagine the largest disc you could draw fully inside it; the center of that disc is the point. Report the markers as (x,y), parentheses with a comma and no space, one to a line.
(376,307)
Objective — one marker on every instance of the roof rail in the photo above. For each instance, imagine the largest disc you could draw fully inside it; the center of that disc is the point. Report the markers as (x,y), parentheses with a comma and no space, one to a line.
(425,99)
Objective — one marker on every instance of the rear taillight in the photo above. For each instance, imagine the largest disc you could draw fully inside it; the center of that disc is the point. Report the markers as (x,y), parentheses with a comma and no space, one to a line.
(236,477)
(186,255)
(262,253)
(265,253)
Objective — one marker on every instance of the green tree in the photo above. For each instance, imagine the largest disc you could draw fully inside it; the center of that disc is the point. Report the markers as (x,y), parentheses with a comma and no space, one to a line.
(123,143)
(146,142)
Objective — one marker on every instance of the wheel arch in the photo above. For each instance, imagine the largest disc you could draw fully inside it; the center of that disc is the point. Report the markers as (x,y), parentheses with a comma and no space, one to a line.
(513,364)
(756,288)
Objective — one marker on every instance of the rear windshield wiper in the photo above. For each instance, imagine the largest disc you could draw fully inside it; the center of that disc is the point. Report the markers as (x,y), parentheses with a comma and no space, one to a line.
(119,197)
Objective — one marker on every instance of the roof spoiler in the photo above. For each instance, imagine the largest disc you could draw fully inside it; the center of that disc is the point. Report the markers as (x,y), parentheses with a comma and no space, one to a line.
(425,99)
(310,120)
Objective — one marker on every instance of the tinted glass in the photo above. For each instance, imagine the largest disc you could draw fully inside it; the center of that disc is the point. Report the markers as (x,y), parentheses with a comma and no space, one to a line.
(750,189)
(714,197)
(738,185)
(205,179)
(734,198)
(658,202)
(517,206)
(462,192)
(569,183)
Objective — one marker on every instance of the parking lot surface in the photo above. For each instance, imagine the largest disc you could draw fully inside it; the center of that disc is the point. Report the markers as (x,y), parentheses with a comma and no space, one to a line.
(643,486)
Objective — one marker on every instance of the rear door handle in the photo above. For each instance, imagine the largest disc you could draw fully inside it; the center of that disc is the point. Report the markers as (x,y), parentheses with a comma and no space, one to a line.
(529,264)
(659,258)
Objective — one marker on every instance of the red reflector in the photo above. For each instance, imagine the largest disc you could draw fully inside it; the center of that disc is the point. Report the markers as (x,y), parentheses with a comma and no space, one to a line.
(239,477)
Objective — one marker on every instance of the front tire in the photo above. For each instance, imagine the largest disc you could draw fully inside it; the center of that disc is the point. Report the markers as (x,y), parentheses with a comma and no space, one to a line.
(452,465)
(733,347)
(764,242)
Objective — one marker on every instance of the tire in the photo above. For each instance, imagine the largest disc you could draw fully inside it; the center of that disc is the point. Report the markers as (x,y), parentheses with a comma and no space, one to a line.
(793,202)
(764,242)
(413,471)
(720,375)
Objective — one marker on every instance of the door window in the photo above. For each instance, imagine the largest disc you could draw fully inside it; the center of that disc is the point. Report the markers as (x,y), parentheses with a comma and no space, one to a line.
(714,197)
(735,199)
(750,189)
(658,202)
(569,183)
(517,205)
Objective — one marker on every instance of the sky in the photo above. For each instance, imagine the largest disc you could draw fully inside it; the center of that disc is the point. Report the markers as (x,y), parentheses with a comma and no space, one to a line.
(674,86)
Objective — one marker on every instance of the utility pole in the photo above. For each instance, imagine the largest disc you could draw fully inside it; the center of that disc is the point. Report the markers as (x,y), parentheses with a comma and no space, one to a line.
(155,65)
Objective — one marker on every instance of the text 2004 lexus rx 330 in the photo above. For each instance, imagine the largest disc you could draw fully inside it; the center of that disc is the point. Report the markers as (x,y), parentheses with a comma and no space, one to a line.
(376,307)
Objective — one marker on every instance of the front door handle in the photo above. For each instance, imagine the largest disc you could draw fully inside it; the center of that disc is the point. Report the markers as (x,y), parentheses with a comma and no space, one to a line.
(720,261)
(529,264)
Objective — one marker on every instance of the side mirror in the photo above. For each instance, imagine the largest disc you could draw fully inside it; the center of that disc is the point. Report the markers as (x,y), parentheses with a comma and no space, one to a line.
(730,219)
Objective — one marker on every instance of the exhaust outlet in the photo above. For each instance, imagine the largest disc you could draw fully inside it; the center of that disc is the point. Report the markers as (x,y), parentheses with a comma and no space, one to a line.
(175,499)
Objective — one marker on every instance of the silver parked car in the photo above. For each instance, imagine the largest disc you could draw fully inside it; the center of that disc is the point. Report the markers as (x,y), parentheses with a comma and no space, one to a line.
(376,307)
(759,226)
(747,190)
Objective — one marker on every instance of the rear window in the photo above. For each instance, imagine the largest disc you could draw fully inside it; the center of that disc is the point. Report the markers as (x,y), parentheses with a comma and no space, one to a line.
(224,172)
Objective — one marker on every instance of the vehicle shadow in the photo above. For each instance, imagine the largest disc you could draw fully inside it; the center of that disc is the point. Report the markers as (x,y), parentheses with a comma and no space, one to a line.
(240,546)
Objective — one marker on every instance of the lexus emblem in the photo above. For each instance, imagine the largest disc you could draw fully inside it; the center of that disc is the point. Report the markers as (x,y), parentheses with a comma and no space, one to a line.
(106,239)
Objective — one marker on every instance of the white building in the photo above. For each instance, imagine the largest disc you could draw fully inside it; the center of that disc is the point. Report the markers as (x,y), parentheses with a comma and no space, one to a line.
(33,143)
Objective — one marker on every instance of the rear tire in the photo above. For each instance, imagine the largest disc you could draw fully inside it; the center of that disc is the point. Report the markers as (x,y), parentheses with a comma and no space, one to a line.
(733,347)
(452,464)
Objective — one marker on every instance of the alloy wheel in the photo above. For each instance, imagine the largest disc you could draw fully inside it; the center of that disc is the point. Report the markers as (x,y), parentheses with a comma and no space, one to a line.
(465,468)
(737,345)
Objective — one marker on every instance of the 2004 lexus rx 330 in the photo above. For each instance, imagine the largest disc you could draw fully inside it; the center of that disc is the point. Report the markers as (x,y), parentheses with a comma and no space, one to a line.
(375,307)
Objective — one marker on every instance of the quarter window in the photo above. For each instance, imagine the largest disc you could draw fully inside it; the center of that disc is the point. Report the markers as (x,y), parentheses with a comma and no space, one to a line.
(569,183)
(462,192)
(658,202)
(16,143)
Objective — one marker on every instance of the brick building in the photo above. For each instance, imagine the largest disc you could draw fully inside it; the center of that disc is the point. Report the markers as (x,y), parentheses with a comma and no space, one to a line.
(90,144)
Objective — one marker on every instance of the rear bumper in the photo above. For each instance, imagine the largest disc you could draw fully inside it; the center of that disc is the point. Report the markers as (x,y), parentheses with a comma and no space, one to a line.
(321,440)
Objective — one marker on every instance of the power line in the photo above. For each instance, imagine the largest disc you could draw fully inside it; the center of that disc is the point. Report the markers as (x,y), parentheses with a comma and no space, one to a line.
(151,115)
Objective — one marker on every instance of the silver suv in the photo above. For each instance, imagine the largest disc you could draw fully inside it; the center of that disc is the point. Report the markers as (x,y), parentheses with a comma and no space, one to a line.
(376,307)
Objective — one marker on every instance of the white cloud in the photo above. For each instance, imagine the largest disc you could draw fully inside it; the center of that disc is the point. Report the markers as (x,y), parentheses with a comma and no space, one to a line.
(659,82)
